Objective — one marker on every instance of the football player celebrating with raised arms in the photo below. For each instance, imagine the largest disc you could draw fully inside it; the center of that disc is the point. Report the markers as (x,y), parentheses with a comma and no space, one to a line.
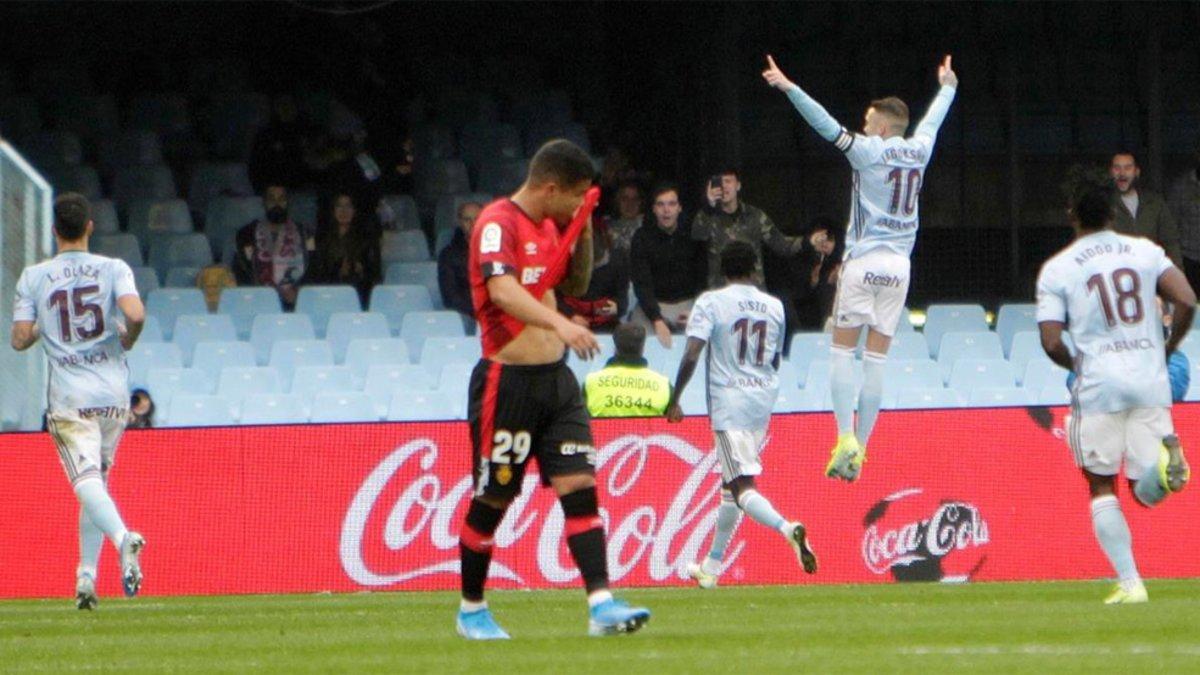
(873,283)
(524,401)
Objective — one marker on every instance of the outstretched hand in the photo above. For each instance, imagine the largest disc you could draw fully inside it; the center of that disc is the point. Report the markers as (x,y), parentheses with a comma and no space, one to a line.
(775,77)
(946,76)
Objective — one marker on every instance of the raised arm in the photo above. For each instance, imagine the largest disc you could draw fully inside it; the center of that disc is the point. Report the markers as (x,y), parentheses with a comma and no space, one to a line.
(812,112)
(936,114)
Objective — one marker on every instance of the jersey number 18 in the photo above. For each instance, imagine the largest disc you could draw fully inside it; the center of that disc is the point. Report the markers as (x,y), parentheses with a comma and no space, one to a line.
(1127,287)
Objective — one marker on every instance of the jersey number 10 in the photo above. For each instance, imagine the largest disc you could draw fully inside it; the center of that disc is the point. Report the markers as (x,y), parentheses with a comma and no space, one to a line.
(77,306)
(910,186)
(1127,287)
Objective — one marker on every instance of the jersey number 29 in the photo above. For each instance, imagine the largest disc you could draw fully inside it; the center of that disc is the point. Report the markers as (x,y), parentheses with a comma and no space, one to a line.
(69,310)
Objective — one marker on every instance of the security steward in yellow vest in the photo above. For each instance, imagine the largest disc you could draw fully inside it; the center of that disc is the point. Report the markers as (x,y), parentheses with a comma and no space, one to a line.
(626,387)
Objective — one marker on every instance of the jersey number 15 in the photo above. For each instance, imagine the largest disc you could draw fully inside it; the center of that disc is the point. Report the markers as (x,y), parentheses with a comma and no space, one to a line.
(70,310)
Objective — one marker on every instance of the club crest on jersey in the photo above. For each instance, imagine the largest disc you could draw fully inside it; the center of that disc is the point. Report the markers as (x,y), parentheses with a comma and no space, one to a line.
(531,275)
(530,248)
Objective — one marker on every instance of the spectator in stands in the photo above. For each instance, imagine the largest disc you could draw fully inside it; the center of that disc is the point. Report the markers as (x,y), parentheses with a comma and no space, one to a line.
(454,279)
(1185,205)
(1140,212)
(668,268)
(727,219)
(626,386)
(360,176)
(627,218)
(279,148)
(141,410)
(815,283)
(211,281)
(346,252)
(607,296)
(274,251)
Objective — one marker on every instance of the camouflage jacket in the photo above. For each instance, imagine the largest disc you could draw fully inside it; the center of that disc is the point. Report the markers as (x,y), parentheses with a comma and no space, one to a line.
(749,224)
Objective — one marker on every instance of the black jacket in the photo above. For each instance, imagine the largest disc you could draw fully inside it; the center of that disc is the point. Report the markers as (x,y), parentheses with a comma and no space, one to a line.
(453,278)
(666,267)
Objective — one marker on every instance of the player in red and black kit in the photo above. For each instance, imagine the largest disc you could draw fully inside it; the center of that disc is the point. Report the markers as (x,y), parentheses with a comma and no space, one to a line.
(524,401)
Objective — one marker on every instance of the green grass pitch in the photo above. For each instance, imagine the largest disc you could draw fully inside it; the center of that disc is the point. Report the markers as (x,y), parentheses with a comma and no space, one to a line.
(1002,628)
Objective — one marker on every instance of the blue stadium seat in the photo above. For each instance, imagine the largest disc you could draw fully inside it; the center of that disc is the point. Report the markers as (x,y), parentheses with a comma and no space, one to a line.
(268,329)
(343,406)
(143,182)
(237,382)
(180,250)
(956,345)
(441,177)
(394,301)
(1025,346)
(405,215)
(273,409)
(343,327)
(1041,373)
(789,376)
(217,179)
(694,399)
(244,303)
(151,331)
(361,354)
(303,207)
(443,239)
(911,374)
(445,215)
(159,112)
(163,383)
(438,352)
(200,410)
(455,379)
(818,376)
(415,327)
(502,176)
(1054,395)
(941,319)
(181,277)
(404,246)
(308,381)
(1191,346)
(164,216)
(904,325)
(809,347)
(989,397)
(907,345)
(123,246)
(145,279)
(663,359)
(482,141)
(968,374)
(415,274)
(104,215)
(132,147)
(288,355)
(322,302)
(212,357)
(224,216)
(928,398)
(192,329)
(415,406)
(169,303)
(383,380)
(1012,319)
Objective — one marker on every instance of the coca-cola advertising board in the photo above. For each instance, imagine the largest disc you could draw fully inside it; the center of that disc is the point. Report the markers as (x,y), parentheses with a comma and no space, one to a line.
(952,495)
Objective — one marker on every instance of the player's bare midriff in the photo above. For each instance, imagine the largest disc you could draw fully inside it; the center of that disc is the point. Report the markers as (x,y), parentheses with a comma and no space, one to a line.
(533,346)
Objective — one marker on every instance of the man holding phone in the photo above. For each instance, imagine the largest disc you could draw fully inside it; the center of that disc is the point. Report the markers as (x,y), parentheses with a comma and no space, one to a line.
(728,219)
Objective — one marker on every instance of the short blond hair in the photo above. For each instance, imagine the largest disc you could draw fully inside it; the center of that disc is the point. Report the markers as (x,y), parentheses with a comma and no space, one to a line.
(894,108)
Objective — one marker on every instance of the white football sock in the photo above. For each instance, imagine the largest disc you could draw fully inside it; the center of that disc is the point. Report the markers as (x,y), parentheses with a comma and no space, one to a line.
(100,508)
(761,511)
(1113,534)
(841,387)
(871,395)
(91,540)
(728,517)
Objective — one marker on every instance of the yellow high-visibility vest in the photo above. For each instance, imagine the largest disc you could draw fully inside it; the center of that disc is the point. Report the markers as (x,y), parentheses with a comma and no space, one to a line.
(626,390)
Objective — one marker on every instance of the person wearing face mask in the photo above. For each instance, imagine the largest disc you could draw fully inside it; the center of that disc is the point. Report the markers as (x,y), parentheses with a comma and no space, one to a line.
(1184,198)
(1141,212)
(274,251)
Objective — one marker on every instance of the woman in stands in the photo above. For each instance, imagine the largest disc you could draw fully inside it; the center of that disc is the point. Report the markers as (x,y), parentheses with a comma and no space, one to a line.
(347,249)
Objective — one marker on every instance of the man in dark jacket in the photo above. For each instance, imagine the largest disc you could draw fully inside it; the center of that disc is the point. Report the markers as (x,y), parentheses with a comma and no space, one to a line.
(668,268)
(453,279)
(1141,212)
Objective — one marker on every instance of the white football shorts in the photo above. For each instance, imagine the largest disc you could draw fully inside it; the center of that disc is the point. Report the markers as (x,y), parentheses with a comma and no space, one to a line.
(1100,441)
(871,291)
(738,452)
(87,440)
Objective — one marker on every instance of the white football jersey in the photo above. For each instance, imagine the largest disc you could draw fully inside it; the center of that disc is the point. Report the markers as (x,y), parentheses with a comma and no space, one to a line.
(73,299)
(744,329)
(886,183)
(1103,286)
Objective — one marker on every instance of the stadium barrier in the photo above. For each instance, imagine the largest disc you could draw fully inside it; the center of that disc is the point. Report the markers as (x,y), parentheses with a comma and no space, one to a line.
(952,495)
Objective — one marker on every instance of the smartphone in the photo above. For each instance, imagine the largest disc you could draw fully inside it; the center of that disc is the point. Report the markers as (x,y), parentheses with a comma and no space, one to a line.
(715,182)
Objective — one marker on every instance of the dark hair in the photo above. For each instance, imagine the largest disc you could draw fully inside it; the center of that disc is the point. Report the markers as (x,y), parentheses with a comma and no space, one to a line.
(892,107)
(630,184)
(661,189)
(561,161)
(1124,151)
(1093,208)
(71,215)
(629,339)
(728,171)
(738,260)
